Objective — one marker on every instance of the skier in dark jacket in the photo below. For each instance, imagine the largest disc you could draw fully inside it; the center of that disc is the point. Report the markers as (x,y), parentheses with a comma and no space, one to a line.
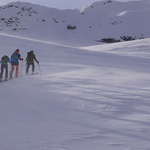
(4,65)
(30,61)
(15,57)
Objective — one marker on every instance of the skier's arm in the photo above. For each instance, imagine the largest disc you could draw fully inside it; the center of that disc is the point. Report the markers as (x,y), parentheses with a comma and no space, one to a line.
(19,57)
(34,57)
(11,57)
(9,60)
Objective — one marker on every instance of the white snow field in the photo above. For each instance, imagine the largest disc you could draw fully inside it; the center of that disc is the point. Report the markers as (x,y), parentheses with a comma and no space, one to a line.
(88,95)
(86,98)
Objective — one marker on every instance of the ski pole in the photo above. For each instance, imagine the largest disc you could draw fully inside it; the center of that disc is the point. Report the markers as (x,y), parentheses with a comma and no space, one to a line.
(21,68)
(39,68)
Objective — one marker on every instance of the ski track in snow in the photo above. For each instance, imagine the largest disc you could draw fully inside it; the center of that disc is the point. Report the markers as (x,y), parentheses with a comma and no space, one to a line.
(86,98)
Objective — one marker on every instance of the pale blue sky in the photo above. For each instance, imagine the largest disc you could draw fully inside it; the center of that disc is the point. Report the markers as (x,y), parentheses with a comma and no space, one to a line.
(60,4)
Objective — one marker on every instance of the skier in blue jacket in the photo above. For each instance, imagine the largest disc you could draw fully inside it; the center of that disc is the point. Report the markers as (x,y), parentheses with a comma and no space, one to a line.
(15,57)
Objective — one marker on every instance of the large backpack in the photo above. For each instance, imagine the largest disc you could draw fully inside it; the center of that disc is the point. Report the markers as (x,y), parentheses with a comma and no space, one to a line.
(29,56)
(14,57)
(4,59)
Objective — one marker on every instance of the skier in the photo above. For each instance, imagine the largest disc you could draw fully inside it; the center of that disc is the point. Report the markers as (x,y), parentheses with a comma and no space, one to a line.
(30,61)
(15,57)
(4,65)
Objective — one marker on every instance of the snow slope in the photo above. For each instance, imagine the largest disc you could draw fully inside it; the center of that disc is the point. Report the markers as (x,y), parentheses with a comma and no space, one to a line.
(86,98)
(93,23)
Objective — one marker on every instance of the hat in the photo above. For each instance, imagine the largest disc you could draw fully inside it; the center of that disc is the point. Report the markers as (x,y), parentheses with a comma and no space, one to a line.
(17,50)
(32,51)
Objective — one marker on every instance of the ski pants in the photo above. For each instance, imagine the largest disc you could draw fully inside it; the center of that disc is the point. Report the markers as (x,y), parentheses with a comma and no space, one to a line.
(3,66)
(12,70)
(28,65)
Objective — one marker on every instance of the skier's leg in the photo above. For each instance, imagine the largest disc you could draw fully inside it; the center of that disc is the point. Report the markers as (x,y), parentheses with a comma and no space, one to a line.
(2,69)
(33,67)
(12,70)
(27,69)
(6,71)
(17,70)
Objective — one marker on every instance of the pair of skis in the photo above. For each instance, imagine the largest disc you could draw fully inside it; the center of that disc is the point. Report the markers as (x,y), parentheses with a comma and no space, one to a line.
(1,80)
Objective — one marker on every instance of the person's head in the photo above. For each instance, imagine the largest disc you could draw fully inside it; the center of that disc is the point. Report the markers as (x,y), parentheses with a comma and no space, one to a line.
(17,50)
(32,51)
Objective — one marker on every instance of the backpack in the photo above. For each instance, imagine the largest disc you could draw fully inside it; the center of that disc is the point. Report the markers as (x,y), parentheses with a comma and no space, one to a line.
(4,59)
(29,56)
(14,57)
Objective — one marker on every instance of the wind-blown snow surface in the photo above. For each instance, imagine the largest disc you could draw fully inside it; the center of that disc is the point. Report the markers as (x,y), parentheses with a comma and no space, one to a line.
(87,98)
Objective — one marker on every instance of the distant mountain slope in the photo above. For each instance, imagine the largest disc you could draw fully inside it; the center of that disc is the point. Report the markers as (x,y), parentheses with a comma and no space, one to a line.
(100,20)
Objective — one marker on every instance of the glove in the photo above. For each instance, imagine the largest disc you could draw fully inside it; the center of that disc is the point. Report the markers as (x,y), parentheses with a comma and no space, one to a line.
(21,58)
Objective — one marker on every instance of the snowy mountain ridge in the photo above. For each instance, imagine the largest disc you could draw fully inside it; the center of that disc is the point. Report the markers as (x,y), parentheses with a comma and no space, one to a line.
(83,98)
(100,20)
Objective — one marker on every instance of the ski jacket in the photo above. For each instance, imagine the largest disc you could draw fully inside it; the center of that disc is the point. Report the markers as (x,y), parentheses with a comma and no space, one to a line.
(32,58)
(4,62)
